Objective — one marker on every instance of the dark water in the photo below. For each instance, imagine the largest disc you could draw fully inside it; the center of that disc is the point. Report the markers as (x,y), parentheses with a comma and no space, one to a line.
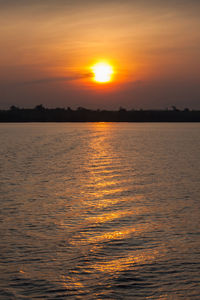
(100,211)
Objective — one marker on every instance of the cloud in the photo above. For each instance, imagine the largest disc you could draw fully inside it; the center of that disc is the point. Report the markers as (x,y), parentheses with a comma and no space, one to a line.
(56,79)
(75,2)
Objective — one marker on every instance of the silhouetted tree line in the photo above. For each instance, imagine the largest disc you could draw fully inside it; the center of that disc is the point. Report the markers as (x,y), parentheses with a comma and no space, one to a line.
(81,114)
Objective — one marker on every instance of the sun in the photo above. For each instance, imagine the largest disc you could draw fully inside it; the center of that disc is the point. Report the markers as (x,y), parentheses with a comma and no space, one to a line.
(102,72)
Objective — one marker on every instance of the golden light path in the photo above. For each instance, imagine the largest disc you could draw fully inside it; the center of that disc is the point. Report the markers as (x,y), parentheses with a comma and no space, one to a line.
(101,196)
(103,72)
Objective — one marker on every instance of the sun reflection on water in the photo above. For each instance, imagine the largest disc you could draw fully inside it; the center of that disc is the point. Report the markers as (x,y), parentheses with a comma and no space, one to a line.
(106,217)
(124,263)
(109,213)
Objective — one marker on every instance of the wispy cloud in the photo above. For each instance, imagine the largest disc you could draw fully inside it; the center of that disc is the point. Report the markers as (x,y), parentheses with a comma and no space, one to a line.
(56,79)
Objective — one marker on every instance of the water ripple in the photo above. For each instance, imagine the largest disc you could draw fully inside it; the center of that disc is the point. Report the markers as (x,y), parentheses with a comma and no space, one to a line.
(100,211)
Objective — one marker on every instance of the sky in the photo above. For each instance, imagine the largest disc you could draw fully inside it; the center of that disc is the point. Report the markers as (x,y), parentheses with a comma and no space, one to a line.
(47,49)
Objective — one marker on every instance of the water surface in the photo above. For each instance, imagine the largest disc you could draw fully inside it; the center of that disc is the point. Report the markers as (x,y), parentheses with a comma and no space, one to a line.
(100,211)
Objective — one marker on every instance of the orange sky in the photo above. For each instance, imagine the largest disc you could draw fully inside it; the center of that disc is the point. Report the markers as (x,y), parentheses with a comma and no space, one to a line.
(48,47)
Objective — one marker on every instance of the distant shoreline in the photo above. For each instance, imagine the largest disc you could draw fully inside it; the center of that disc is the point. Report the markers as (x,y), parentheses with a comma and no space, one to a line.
(42,114)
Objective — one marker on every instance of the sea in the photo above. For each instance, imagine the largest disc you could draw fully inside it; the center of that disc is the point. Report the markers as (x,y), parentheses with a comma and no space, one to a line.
(100,211)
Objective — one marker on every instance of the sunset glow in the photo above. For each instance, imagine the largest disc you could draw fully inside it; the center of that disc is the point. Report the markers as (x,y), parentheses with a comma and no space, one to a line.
(100,54)
(102,72)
